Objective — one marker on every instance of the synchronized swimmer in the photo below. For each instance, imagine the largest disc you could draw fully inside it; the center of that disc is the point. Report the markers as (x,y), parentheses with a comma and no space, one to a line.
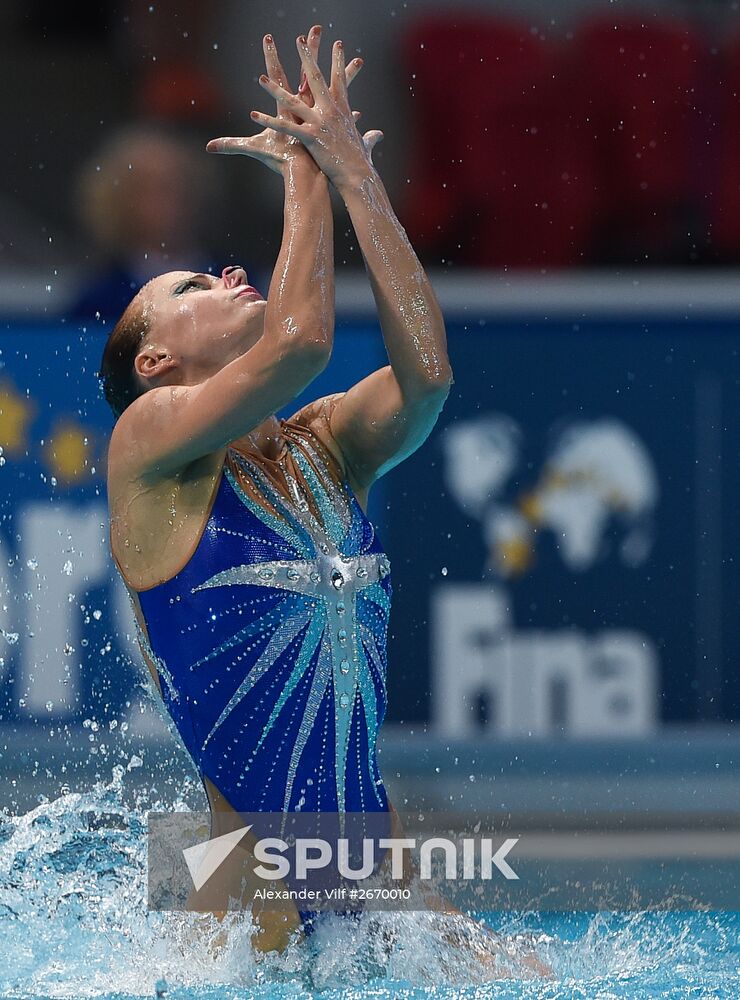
(261,589)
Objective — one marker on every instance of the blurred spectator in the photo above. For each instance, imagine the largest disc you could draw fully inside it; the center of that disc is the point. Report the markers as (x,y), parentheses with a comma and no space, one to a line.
(142,199)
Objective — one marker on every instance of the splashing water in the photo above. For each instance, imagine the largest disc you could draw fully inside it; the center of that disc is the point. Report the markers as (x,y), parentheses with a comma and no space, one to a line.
(74,923)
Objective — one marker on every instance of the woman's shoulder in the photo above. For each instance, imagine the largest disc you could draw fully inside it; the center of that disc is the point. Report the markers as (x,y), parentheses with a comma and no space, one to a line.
(315,419)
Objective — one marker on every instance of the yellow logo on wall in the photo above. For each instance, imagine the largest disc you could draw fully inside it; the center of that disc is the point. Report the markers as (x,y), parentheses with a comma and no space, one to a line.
(68,452)
(16,413)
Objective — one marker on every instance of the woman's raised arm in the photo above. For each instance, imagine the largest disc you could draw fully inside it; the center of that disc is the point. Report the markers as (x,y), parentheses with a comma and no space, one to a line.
(386,416)
(174,425)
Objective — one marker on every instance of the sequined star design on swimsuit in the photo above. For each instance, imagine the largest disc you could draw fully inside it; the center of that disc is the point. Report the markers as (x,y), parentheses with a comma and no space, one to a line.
(321,591)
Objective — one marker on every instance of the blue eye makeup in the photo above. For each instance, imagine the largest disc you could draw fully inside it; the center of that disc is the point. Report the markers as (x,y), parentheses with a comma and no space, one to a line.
(189,283)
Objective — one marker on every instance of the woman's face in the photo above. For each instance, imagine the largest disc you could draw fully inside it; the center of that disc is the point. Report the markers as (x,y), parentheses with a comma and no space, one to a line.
(201,320)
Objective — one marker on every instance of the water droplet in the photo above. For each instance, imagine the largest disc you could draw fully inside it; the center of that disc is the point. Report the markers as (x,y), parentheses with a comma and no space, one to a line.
(341,607)
(344,699)
(337,580)
(344,666)
(342,634)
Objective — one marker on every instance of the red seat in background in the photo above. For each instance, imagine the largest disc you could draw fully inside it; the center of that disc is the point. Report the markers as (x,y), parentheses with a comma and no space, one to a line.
(724,181)
(641,99)
(498,176)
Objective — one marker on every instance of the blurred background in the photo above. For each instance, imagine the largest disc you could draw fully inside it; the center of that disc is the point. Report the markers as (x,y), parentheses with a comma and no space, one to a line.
(565,634)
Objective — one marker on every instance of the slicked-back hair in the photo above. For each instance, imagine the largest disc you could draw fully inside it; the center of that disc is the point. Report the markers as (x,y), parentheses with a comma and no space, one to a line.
(120,384)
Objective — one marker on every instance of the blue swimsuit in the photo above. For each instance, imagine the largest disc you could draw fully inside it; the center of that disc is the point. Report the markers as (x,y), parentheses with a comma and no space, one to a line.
(270,644)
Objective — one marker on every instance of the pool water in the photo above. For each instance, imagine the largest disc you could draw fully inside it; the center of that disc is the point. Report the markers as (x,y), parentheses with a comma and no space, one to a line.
(74,923)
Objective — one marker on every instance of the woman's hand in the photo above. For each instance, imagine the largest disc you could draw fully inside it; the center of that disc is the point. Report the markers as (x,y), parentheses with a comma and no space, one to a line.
(326,124)
(276,149)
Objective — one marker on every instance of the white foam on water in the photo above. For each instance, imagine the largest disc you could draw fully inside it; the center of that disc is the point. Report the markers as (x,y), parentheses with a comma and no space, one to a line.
(74,923)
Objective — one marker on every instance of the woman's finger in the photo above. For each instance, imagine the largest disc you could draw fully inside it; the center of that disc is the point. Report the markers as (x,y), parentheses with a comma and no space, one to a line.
(338,72)
(272,62)
(230,144)
(291,102)
(353,68)
(371,139)
(276,72)
(281,125)
(316,80)
(351,72)
(314,41)
(266,147)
